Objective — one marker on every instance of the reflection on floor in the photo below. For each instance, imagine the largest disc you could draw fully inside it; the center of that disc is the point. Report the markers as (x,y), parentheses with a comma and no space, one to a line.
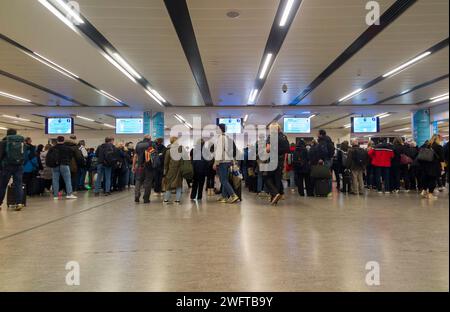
(313,244)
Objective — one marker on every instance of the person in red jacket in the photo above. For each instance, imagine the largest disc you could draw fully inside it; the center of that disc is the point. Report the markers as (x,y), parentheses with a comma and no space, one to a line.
(288,166)
(381,159)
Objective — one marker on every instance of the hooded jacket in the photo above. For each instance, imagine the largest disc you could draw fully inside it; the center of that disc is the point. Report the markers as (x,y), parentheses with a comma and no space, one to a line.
(381,155)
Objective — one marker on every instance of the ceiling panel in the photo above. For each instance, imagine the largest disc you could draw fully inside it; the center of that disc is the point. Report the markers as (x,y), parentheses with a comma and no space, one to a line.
(32,25)
(144,35)
(232,48)
(322,30)
(420,27)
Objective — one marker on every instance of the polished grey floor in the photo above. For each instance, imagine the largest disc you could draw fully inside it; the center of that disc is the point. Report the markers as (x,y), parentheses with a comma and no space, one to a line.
(308,244)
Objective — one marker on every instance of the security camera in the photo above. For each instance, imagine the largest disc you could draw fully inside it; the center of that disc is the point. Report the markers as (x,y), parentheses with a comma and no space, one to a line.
(284,88)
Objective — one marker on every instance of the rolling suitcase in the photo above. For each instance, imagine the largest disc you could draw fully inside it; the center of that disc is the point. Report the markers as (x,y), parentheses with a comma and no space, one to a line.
(322,187)
(11,200)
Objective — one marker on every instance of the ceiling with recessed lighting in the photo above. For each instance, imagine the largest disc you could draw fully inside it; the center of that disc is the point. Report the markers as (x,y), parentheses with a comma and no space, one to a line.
(211,58)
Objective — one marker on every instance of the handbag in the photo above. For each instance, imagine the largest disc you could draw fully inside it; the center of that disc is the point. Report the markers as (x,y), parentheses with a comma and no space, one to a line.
(426,154)
(405,159)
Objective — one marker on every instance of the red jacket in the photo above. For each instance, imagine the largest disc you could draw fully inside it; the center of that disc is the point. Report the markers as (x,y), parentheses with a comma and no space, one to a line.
(288,167)
(381,156)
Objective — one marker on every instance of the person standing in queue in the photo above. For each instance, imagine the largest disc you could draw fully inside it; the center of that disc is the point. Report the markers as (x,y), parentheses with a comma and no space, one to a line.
(105,163)
(143,172)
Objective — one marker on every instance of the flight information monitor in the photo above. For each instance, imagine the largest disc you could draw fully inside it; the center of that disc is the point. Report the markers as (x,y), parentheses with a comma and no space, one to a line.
(233,125)
(129,126)
(60,125)
(297,125)
(365,125)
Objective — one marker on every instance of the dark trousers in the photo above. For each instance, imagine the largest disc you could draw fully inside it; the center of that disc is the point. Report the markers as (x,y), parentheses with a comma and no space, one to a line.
(273,182)
(337,174)
(16,172)
(210,181)
(158,181)
(74,178)
(144,178)
(394,183)
(382,173)
(429,182)
(303,182)
(27,180)
(197,186)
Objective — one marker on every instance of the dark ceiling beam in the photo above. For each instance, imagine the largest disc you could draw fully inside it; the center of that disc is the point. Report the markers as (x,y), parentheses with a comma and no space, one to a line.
(387,18)
(181,20)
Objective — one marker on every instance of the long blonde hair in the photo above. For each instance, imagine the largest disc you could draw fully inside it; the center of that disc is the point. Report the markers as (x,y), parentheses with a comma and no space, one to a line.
(436,138)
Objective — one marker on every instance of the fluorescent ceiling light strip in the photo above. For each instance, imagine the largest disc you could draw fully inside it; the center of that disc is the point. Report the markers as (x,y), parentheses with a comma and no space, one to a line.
(246,118)
(108,125)
(15,118)
(70,11)
(351,95)
(59,68)
(154,97)
(265,66)
(110,96)
(127,66)
(3,128)
(347,125)
(253,94)
(402,129)
(181,117)
(85,118)
(53,67)
(312,116)
(188,125)
(287,11)
(58,14)
(14,97)
(156,93)
(177,118)
(439,96)
(410,62)
(112,61)
(440,99)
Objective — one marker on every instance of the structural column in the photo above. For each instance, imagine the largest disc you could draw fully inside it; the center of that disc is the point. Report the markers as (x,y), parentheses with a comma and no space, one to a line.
(421,123)
(147,123)
(158,126)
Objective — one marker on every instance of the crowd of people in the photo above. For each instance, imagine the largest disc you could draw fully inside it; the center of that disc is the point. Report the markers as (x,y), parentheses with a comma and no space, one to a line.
(67,166)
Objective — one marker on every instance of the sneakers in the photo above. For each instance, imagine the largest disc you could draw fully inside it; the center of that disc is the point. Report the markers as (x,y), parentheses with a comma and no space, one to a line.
(19,207)
(166,202)
(234,198)
(71,196)
(222,200)
(55,197)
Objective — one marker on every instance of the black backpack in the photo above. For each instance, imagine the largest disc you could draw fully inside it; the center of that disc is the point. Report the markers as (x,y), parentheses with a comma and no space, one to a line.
(111,158)
(283,145)
(359,157)
(52,158)
(15,150)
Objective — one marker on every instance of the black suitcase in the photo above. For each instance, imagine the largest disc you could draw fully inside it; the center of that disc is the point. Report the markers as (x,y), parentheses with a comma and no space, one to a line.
(11,196)
(322,187)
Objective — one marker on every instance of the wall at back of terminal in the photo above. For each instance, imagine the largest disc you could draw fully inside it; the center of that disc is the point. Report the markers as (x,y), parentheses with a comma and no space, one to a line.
(94,138)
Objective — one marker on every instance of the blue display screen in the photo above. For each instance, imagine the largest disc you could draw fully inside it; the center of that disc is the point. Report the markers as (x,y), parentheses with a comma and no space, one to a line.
(129,126)
(365,124)
(297,125)
(63,125)
(233,125)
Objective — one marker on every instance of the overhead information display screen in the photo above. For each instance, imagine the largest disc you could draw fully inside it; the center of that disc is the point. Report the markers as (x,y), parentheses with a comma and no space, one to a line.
(365,124)
(233,125)
(129,126)
(297,125)
(62,125)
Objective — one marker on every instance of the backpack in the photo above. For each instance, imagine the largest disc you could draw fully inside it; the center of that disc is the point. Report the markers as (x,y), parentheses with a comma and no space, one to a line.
(323,152)
(15,150)
(152,158)
(52,158)
(344,158)
(359,157)
(111,158)
(283,145)
(297,159)
(405,159)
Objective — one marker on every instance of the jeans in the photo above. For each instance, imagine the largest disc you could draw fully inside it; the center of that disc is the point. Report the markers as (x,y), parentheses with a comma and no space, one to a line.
(292,179)
(103,174)
(16,172)
(81,177)
(64,171)
(158,177)
(382,172)
(144,177)
(168,194)
(224,171)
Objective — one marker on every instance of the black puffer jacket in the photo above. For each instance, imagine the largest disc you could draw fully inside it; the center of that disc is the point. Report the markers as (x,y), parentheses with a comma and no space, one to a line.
(65,154)
(433,168)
